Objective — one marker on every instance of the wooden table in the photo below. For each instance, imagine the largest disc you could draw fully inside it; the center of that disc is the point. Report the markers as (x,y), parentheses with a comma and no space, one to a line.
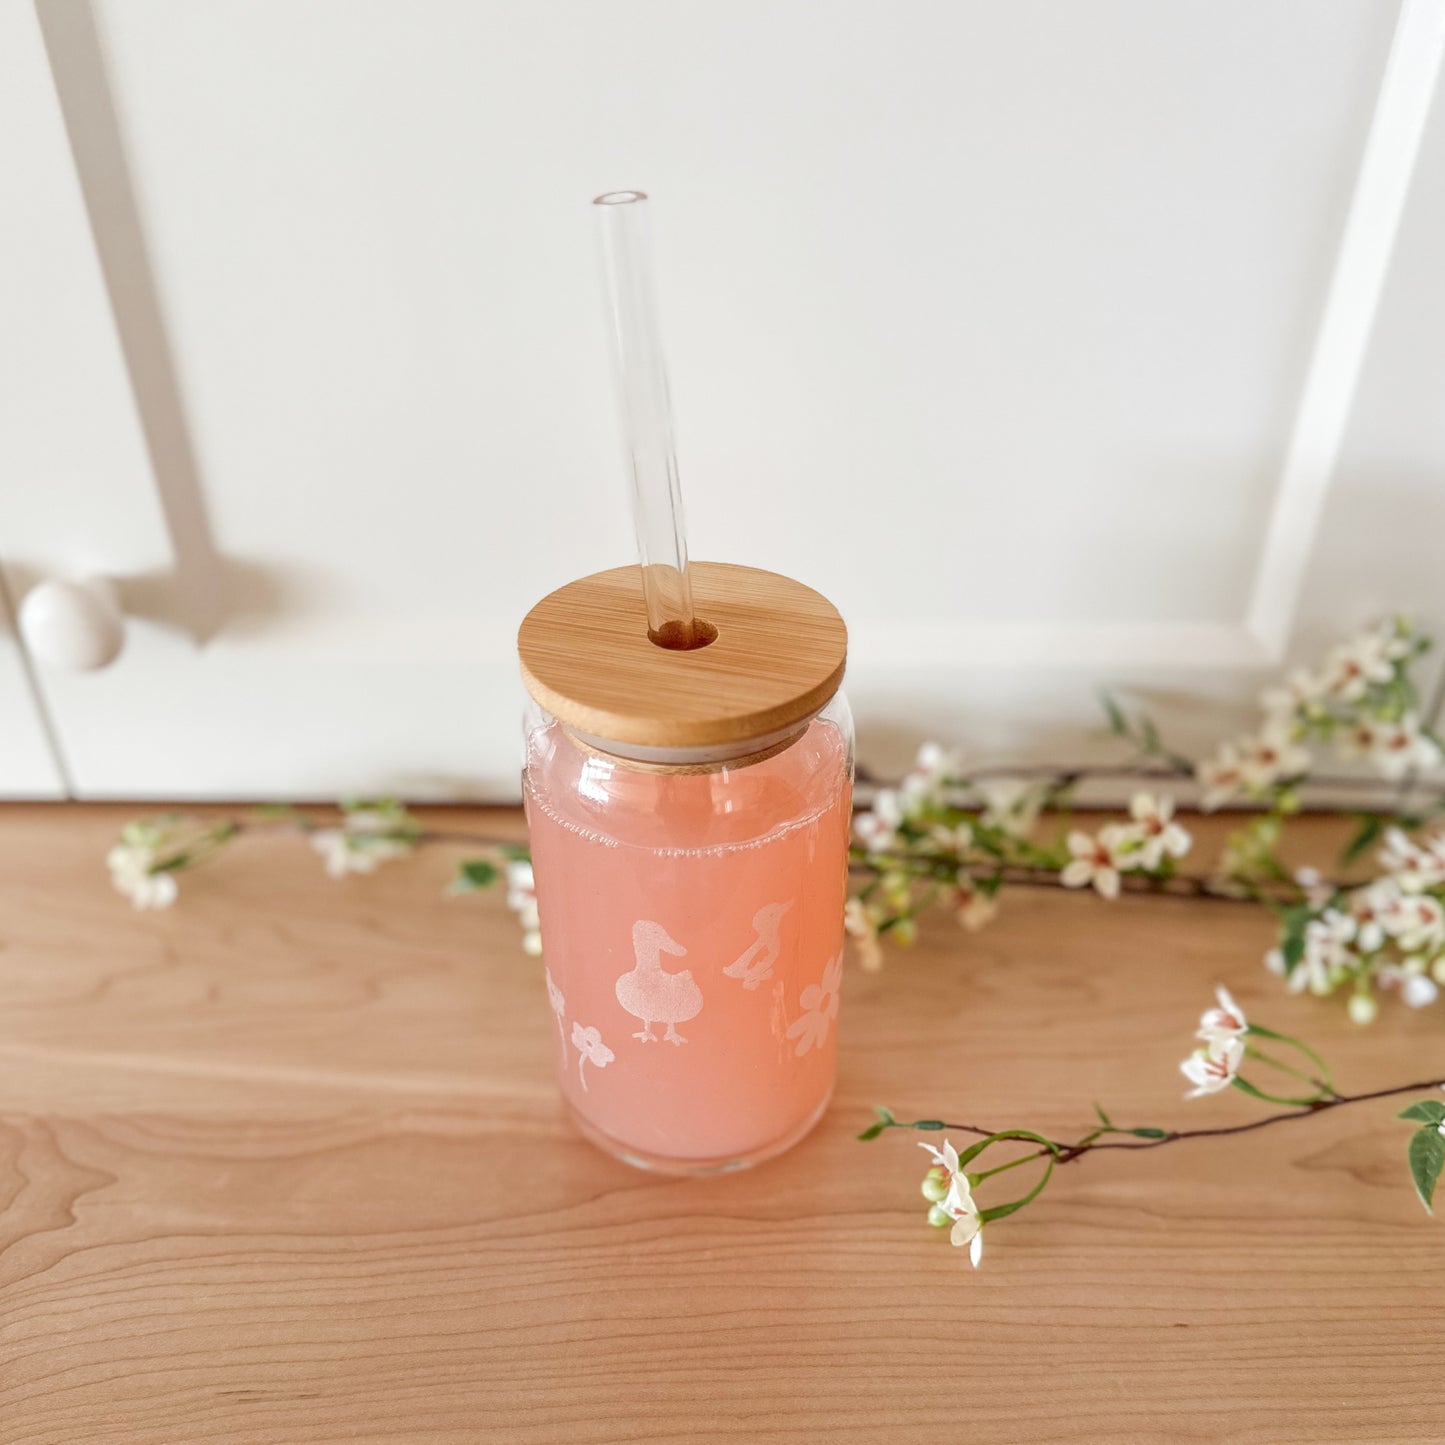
(285,1164)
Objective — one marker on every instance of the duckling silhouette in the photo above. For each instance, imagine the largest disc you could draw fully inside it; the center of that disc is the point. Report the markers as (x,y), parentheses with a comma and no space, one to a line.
(653,995)
(757,962)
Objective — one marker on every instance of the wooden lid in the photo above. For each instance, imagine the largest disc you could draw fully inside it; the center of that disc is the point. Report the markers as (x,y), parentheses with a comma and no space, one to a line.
(777,659)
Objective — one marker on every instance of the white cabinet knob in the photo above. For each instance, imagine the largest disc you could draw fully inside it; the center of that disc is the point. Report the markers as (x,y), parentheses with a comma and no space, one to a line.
(76,625)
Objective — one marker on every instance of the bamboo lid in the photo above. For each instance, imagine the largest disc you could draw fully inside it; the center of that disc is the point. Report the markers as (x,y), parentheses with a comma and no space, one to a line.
(777,659)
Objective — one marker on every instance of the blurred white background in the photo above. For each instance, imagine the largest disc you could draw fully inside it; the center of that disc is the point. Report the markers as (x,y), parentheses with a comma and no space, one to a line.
(1062,345)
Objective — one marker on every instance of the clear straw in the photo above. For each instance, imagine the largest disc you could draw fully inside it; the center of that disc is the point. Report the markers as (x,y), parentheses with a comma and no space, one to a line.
(647,421)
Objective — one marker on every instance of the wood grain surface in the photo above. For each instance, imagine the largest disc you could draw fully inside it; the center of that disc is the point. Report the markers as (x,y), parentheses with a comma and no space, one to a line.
(285,1164)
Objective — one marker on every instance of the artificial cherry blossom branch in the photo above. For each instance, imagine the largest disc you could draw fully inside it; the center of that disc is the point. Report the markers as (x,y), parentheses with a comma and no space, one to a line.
(1067,1153)
(1227,1042)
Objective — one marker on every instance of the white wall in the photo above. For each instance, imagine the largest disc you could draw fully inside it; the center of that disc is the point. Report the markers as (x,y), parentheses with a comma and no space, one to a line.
(1007,326)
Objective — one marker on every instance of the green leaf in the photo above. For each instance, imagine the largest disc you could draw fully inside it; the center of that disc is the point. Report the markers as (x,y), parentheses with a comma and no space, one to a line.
(474,873)
(1118,724)
(1427,1157)
(1002,1211)
(1104,1119)
(967,1156)
(885,1121)
(1293,922)
(1427,1111)
(1369,827)
(515,852)
(1148,1133)
(931,1124)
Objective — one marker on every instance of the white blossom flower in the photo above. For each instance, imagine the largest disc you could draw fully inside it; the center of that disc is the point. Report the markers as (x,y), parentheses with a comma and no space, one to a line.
(522,900)
(1012,804)
(1417,923)
(1373,909)
(957,839)
(590,1050)
(958,1203)
(1326,953)
(936,761)
(1352,667)
(1159,835)
(1095,861)
(1312,883)
(1285,700)
(1270,756)
(1393,748)
(341,854)
(1214,1066)
(862,927)
(368,835)
(1221,777)
(1417,988)
(131,872)
(819,1002)
(1362,1008)
(973,908)
(1227,1020)
(877,827)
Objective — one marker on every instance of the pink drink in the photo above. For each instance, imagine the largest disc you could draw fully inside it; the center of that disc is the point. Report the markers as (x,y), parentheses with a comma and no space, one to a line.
(692,930)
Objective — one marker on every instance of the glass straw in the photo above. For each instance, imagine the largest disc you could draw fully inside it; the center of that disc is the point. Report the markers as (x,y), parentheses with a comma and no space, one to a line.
(647,421)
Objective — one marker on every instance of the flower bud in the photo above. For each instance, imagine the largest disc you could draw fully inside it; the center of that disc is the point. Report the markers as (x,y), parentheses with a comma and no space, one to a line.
(905,931)
(939,1217)
(935,1184)
(1363,1008)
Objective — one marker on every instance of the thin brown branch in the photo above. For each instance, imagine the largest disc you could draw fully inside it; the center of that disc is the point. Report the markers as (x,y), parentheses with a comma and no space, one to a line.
(1069,1152)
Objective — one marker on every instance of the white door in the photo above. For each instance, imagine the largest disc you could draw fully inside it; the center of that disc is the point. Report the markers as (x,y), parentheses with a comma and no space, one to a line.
(1062,345)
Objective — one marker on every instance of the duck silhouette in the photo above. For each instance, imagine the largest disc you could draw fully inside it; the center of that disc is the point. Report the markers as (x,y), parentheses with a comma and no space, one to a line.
(653,995)
(757,962)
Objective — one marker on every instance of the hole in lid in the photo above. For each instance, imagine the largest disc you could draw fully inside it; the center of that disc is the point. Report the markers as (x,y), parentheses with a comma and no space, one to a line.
(684,636)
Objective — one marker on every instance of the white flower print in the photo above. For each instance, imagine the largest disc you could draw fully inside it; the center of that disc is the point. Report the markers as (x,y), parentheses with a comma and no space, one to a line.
(590,1050)
(819,1002)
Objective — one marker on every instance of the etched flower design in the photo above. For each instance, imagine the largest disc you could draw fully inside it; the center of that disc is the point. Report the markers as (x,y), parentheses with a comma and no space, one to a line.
(590,1050)
(819,1002)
